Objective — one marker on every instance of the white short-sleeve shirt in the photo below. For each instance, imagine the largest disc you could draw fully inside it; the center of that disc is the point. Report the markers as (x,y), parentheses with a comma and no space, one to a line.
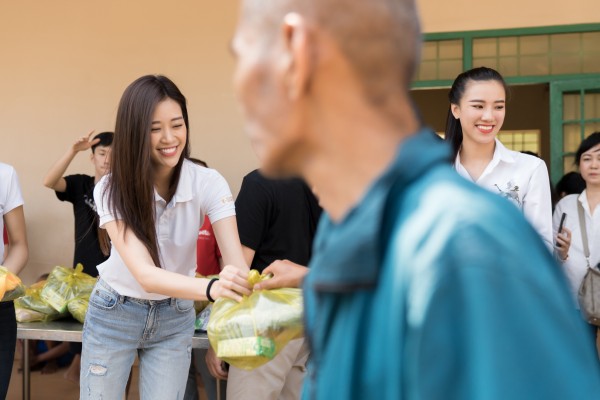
(10,196)
(522,179)
(575,266)
(201,191)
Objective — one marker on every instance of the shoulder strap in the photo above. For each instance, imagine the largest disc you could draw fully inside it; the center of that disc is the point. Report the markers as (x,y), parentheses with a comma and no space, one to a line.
(583,230)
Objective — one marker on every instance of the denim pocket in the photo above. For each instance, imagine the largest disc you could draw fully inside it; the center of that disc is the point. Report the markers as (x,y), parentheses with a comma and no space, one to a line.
(103,299)
(184,305)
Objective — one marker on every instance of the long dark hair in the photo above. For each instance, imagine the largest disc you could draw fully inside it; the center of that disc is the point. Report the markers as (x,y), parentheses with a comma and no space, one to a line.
(131,186)
(454,133)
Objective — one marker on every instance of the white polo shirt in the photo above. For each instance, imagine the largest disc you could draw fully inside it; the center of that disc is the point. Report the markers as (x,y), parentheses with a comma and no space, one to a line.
(522,179)
(10,196)
(201,191)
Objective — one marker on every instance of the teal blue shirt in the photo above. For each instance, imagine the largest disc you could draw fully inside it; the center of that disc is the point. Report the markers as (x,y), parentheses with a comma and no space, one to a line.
(433,288)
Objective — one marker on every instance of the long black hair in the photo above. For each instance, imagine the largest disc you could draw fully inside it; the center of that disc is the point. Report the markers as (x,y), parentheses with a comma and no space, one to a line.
(131,185)
(454,133)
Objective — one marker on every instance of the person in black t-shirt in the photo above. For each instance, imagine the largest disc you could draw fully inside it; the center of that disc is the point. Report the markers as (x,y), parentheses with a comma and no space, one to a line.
(78,189)
(277,220)
(90,248)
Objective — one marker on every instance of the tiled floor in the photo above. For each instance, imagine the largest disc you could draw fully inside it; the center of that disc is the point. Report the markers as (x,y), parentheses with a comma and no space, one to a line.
(55,387)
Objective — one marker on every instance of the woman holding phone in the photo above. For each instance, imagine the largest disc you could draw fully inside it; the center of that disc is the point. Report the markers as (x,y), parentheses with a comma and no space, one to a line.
(476,114)
(587,159)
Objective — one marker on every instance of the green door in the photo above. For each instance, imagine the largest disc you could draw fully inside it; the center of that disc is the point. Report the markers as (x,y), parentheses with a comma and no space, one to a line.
(574,115)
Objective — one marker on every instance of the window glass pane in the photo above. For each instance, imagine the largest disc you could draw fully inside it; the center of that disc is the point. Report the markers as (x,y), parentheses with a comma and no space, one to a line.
(591,42)
(521,140)
(428,70)
(508,66)
(451,49)
(485,47)
(569,164)
(508,46)
(534,65)
(485,62)
(591,127)
(429,51)
(565,43)
(530,45)
(450,69)
(571,107)
(565,64)
(592,105)
(571,137)
(591,63)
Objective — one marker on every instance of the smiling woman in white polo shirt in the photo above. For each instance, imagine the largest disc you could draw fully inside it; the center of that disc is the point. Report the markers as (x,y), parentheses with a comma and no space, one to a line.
(477,110)
(152,205)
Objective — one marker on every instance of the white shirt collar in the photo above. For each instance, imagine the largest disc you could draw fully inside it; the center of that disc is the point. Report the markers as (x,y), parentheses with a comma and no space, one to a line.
(183,192)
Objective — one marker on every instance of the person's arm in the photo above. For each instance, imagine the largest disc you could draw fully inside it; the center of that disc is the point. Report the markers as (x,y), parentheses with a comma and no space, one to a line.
(54,177)
(18,252)
(228,239)
(215,365)
(537,206)
(232,282)
(286,274)
(53,353)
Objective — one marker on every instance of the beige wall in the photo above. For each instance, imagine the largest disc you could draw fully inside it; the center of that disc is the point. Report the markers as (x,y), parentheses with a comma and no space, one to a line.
(65,63)
(465,15)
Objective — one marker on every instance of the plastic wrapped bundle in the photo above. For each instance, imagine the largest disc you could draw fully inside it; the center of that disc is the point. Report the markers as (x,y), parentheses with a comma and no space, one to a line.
(250,333)
(65,284)
(78,307)
(11,286)
(32,308)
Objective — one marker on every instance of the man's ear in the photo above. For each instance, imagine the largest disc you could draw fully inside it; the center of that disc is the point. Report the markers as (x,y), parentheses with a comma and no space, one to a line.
(298,63)
(455,110)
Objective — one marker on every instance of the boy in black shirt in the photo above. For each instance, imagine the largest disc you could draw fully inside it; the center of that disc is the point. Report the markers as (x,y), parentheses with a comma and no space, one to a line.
(90,249)
(79,190)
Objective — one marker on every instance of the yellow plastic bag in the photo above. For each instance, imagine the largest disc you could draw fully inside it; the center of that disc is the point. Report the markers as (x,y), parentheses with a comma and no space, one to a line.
(11,286)
(31,307)
(250,333)
(78,307)
(65,284)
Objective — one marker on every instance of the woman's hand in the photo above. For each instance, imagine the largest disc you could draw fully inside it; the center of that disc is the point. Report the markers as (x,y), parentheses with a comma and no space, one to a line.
(563,243)
(232,283)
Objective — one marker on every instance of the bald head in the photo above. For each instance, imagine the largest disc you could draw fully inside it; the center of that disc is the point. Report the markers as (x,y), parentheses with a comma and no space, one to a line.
(380,38)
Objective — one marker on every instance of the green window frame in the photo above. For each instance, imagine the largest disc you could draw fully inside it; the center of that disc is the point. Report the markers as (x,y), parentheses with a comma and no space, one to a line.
(470,38)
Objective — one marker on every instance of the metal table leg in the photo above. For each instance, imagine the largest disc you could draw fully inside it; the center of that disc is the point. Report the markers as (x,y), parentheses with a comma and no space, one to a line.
(26,371)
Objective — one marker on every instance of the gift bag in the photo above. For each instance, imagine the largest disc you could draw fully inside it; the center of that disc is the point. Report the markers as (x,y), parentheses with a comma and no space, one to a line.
(11,286)
(32,308)
(250,333)
(65,284)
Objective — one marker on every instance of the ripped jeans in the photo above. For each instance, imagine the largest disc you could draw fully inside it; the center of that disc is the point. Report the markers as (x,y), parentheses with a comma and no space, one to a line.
(117,328)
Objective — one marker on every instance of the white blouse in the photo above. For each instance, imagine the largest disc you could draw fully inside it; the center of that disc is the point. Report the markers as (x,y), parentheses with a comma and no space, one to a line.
(575,265)
(522,179)
(10,196)
(201,191)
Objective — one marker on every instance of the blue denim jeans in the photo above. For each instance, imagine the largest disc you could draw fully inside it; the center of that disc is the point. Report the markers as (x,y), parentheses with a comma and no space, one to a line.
(118,327)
